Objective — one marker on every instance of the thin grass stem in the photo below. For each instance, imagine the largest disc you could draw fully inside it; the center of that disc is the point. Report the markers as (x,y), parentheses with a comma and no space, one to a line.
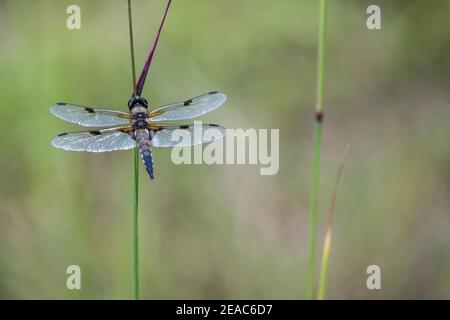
(323,273)
(133,65)
(312,238)
(135,195)
(135,226)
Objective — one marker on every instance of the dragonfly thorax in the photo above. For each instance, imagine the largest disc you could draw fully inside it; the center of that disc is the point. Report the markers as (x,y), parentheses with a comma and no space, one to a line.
(138,108)
(139,118)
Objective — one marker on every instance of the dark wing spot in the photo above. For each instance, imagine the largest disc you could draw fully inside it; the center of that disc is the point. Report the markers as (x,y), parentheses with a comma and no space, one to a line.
(61,103)
(187,102)
(184,126)
(89,109)
(62,134)
(95,132)
(213,92)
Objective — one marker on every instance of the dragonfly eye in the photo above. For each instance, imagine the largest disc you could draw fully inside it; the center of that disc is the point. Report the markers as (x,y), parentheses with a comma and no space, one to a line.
(131,103)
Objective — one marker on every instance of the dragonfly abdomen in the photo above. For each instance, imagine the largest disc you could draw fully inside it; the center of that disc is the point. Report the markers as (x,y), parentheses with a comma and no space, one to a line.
(145,149)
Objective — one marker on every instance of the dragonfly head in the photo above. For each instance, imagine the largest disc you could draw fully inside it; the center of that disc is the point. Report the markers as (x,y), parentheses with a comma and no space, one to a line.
(137,101)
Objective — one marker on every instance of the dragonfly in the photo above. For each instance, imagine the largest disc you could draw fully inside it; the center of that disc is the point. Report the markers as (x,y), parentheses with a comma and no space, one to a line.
(113,130)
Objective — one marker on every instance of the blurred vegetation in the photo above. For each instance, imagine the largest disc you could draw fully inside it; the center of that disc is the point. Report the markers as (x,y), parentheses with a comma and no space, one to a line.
(225,231)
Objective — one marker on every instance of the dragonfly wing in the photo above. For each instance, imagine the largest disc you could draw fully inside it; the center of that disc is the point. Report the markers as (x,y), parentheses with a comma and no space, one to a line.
(89,117)
(105,140)
(185,135)
(190,108)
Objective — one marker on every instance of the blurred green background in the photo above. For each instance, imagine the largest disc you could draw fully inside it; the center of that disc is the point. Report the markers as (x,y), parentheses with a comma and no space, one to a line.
(225,231)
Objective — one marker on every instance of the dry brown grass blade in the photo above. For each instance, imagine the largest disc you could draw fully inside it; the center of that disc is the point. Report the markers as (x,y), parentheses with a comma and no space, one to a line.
(323,275)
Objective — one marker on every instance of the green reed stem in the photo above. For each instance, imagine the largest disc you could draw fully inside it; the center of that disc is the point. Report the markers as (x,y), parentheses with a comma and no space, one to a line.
(135,200)
(312,238)
(323,273)
(135,226)
(130,30)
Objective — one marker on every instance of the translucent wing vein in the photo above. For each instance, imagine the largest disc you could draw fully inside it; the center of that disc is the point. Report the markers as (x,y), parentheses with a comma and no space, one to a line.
(89,117)
(105,140)
(190,108)
(186,135)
